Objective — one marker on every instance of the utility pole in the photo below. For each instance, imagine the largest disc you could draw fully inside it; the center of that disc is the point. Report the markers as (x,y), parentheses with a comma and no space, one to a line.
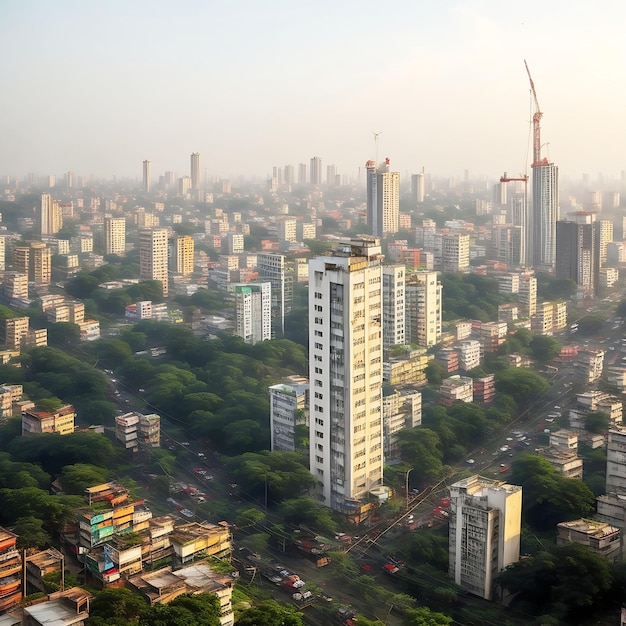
(406,486)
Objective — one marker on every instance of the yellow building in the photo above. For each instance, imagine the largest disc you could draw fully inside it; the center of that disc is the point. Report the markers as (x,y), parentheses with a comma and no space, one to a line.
(60,421)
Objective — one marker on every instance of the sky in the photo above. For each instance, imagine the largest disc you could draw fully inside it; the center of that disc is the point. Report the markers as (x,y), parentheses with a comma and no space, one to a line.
(97,87)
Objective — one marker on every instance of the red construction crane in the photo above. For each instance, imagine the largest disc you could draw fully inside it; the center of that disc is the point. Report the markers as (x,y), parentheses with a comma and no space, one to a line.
(537,115)
(505,178)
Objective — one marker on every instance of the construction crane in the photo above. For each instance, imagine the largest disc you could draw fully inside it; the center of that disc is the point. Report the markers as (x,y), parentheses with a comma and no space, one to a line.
(537,115)
(506,179)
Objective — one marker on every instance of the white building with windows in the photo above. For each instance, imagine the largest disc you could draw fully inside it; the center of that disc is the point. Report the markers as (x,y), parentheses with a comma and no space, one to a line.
(423,309)
(253,311)
(345,373)
(289,405)
(393,305)
(485,528)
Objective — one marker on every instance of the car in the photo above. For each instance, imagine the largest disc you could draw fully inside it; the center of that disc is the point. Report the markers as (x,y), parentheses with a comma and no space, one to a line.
(207,477)
(502,464)
(504,448)
(185,443)
(557,407)
(201,455)
(470,461)
(198,470)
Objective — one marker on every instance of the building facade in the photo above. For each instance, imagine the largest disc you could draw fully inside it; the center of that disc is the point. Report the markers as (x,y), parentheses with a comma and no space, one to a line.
(345,373)
(153,255)
(485,528)
(253,311)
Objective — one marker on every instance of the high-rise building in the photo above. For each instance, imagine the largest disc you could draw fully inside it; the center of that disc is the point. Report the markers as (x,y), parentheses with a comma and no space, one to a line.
(2,254)
(195,170)
(115,235)
(455,252)
(423,309)
(418,187)
(393,305)
(331,175)
(181,259)
(50,214)
(603,237)
(289,407)
(289,175)
(527,293)
(576,254)
(184,185)
(302,174)
(545,214)
(253,311)
(615,461)
(40,270)
(315,171)
(147,176)
(287,229)
(69,180)
(153,255)
(383,199)
(345,373)
(273,267)
(484,532)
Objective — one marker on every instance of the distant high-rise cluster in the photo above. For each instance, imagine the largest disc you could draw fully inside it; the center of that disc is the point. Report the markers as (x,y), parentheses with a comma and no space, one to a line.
(147,176)
(195,171)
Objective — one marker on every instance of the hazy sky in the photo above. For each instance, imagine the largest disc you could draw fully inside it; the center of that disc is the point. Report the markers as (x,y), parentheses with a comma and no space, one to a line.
(98,86)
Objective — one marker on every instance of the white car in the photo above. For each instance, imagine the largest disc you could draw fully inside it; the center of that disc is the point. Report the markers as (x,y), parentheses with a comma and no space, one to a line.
(470,461)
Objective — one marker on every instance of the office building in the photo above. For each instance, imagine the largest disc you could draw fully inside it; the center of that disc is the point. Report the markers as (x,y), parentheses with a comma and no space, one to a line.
(289,407)
(383,199)
(423,309)
(345,373)
(545,214)
(484,533)
(50,215)
(273,268)
(147,176)
(181,259)
(153,255)
(253,311)
(195,170)
(115,235)
(393,305)
(577,255)
(315,171)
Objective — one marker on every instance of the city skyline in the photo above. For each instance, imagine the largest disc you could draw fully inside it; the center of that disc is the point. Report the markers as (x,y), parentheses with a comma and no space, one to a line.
(445,88)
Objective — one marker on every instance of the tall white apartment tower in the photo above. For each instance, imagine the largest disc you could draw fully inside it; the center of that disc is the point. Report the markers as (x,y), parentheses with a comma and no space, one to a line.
(51,218)
(545,214)
(147,176)
(393,305)
(115,235)
(195,170)
(272,267)
(253,311)
(345,372)
(485,527)
(423,309)
(153,255)
(383,199)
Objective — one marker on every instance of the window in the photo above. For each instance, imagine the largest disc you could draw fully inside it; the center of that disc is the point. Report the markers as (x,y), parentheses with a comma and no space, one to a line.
(318,370)
(319,333)
(318,346)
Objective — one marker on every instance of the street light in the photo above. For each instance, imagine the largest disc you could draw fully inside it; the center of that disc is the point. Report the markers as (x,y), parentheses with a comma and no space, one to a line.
(406,486)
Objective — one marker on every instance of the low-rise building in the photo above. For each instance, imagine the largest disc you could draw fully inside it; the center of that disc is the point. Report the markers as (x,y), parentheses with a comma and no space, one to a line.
(599,537)
(406,369)
(456,388)
(565,463)
(400,410)
(485,389)
(60,421)
(191,541)
(289,407)
(67,608)
(11,571)
(564,440)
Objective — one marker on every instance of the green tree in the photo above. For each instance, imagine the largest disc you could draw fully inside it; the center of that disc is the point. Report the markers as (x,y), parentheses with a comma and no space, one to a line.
(548,497)
(521,384)
(117,604)
(249,517)
(421,449)
(423,616)
(31,533)
(544,348)
(597,422)
(570,582)
(76,478)
(270,613)
(63,334)
(188,610)
(435,373)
